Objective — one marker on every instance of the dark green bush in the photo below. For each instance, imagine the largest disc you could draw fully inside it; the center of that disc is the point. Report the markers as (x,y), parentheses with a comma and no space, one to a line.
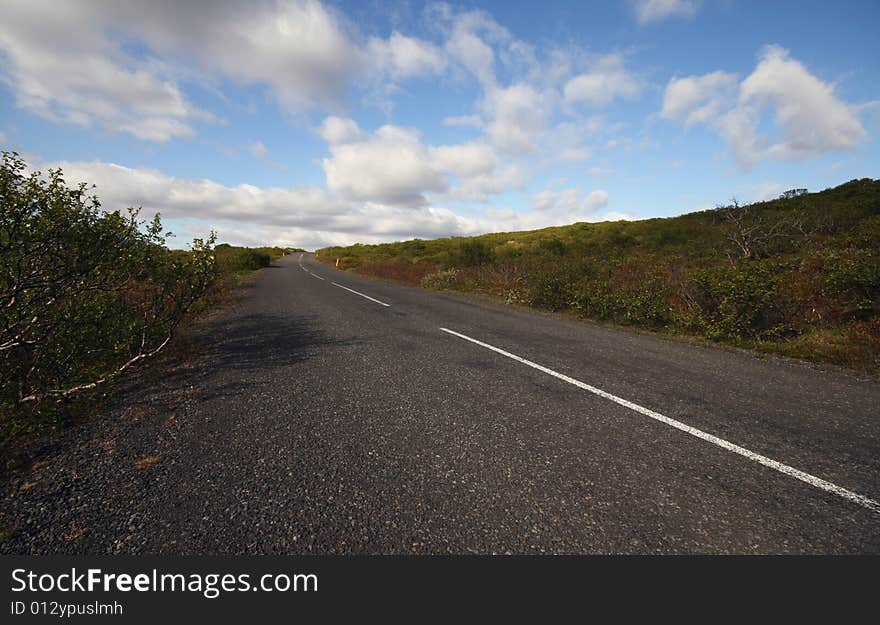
(474,253)
(853,279)
(644,302)
(85,294)
(647,303)
(743,300)
(595,301)
(552,246)
(550,292)
(239,259)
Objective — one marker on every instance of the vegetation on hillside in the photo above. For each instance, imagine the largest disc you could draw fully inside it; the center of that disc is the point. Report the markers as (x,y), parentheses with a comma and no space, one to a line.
(235,260)
(799,275)
(86,295)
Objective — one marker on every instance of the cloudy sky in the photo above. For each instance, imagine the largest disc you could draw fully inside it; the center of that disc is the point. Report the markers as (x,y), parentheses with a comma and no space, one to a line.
(304,123)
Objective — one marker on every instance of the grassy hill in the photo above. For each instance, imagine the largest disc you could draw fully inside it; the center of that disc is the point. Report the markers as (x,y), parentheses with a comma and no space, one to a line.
(799,275)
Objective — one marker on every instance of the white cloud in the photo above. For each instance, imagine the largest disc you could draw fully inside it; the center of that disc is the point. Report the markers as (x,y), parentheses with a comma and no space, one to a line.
(466,160)
(306,52)
(518,116)
(506,220)
(258,149)
(811,119)
(469,41)
(392,166)
(698,99)
(648,11)
(590,203)
(474,54)
(544,200)
(2,137)
(606,81)
(310,211)
(524,95)
(570,201)
(569,141)
(309,217)
(299,48)
(339,130)
(808,117)
(120,186)
(81,78)
(405,57)
(531,109)
(515,116)
(71,62)
(480,187)
(521,88)
(739,127)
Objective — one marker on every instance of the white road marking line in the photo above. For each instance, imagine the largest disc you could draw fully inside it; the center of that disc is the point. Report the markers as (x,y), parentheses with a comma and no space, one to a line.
(359,293)
(812,480)
(313,274)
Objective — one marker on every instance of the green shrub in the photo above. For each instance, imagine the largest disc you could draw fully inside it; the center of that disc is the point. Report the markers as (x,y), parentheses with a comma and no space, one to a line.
(85,294)
(552,246)
(240,259)
(852,279)
(647,304)
(594,301)
(743,300)
(644,303)
(551,292)
(474,253)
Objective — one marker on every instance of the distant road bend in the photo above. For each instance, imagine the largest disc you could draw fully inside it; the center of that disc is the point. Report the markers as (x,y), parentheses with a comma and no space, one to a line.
(337,414)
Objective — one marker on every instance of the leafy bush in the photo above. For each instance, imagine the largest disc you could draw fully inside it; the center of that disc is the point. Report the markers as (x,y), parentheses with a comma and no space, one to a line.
(743,300)
(550,292)
(239,259)
(641,303)
(646,303)
(553,246)
(85,294)
(853,279)
(474,253)
(595,301)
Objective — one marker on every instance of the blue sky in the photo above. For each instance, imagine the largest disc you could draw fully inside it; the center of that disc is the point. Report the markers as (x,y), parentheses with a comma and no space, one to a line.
(306,123)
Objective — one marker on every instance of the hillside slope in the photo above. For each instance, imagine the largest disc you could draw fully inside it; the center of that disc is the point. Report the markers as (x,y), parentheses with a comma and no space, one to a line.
(799,275)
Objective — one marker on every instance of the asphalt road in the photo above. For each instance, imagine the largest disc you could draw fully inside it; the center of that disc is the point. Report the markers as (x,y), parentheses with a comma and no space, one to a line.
(322,421)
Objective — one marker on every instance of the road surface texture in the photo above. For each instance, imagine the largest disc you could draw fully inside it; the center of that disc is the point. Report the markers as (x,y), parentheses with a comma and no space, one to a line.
(318,420)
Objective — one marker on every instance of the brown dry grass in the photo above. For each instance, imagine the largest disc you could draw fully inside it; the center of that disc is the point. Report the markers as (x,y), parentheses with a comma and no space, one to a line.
(410,274)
